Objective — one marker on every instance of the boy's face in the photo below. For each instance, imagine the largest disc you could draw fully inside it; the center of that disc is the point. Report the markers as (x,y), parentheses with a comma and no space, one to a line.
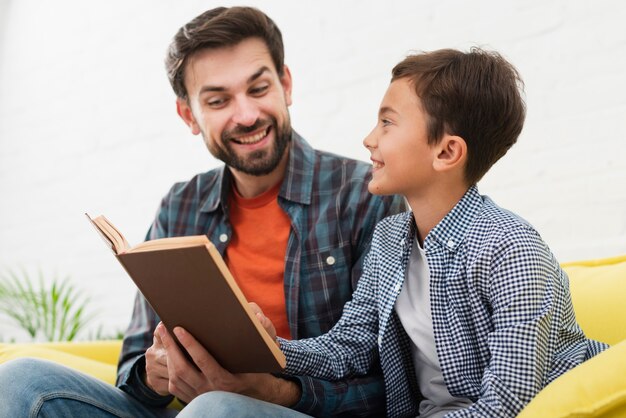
(401,157)
(239,103)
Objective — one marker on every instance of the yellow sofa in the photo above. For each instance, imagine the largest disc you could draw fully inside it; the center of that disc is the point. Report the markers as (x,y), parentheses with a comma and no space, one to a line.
(596,388)
(97,358)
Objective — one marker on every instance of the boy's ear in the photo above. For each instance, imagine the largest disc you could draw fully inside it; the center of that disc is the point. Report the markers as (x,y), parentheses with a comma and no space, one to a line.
(186,114)
(451,153)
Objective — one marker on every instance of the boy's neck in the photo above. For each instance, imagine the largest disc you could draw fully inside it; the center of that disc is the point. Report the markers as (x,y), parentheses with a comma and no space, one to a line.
(430,208)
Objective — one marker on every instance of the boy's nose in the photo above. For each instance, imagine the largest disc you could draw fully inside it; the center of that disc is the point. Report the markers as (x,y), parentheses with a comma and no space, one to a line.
(369,141)
(246,112)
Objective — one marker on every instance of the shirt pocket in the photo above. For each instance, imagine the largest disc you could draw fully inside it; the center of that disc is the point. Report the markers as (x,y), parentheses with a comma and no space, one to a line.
(325,287)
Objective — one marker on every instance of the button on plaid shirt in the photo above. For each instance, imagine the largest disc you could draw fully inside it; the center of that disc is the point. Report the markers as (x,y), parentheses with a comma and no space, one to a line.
(503,320)
(332,217)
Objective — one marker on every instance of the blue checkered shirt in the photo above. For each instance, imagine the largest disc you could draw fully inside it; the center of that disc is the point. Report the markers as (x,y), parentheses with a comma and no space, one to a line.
(502,315)
(332,215)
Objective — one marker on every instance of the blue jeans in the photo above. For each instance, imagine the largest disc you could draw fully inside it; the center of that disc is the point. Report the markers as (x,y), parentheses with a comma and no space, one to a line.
(40,388)
(232,405)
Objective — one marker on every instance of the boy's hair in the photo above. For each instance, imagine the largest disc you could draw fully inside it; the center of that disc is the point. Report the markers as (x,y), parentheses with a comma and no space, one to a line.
(475,95)
(217,28)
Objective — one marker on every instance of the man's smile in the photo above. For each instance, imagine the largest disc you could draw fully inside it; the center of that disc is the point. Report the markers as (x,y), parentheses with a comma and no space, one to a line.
(252,139)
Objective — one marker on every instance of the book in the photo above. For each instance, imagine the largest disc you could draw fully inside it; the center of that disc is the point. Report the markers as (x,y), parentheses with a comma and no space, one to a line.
(188,284)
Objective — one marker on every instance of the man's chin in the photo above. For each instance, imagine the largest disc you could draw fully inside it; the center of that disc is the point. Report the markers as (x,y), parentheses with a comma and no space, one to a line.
(255,168)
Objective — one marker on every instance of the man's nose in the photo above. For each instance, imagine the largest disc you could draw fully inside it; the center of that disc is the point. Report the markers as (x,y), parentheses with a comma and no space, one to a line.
(246,112)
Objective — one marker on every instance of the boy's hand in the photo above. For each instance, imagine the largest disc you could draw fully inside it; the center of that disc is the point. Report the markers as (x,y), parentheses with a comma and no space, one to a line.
(156,377)
(265,321)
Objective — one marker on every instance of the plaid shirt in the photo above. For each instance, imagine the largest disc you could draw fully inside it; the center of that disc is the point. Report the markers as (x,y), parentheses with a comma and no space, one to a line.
(333,218)
(502,316)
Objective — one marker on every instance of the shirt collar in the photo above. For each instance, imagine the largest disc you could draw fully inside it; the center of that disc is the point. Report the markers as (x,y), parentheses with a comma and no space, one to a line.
(298,181)
(296,186)
(452,229)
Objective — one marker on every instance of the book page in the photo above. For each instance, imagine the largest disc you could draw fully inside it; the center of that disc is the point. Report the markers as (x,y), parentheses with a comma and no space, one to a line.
(171,242)
(112,237)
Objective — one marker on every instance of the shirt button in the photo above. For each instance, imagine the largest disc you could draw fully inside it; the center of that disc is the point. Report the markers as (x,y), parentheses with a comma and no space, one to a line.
(223,238)
(380,340)
(330,260)
(450,243)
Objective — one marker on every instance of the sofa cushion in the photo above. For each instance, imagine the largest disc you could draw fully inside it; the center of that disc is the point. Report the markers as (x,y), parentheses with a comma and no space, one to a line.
(101,370)
(596,388)
(598,289)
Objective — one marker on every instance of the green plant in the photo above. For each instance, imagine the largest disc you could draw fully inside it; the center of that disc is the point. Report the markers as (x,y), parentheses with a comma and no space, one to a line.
(56,312)
(99,335)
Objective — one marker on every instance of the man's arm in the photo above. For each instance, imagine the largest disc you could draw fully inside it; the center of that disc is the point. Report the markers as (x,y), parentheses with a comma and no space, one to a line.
(138,339)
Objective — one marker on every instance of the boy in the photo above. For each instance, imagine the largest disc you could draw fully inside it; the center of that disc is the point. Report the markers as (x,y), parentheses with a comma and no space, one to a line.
(462,303)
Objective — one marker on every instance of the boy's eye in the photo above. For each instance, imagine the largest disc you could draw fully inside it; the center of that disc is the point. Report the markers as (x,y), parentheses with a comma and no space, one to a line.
(385,122)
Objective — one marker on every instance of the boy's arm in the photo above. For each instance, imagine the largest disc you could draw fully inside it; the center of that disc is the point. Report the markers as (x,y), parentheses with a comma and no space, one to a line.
(327,390)
(360,395)
(349,348)
(530,301)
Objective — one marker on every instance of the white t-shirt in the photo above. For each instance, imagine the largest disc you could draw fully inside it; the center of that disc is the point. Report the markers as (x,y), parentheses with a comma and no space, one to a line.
(413,309)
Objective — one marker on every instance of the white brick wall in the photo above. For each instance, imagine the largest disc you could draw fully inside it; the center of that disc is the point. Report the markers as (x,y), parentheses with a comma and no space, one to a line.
(87,118)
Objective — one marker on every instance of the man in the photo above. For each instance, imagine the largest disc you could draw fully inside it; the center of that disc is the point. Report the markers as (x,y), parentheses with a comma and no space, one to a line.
(292,223)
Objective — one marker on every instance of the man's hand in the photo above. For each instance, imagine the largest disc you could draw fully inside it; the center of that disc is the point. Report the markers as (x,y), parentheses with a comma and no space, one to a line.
(187,381)
(156,364)
(265,321)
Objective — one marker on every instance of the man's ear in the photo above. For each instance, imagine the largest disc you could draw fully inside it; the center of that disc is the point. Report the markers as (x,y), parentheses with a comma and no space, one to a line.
(451,153)
(286,82)
(186,114)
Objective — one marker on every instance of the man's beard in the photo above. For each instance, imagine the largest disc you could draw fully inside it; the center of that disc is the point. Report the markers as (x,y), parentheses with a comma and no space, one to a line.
(260,162)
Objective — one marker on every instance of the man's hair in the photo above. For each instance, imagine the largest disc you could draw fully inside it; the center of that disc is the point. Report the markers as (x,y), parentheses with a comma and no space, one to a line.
(475,95)
(217,28)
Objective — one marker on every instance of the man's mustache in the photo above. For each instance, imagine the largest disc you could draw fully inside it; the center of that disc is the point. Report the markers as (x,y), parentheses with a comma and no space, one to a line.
(243,130)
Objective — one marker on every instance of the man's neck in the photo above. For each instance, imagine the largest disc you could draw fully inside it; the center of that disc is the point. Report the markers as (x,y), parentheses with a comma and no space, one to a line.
(250,186)
(429,209)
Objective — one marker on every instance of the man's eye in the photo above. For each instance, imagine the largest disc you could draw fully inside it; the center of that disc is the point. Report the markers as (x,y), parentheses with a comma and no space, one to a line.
(257,91)
(216,102)
(385,122)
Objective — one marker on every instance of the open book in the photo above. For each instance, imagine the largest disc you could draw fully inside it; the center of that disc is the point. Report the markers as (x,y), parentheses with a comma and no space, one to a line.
(187,283)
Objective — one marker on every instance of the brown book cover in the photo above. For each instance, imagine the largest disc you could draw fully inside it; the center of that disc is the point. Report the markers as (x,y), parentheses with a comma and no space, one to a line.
(187,283)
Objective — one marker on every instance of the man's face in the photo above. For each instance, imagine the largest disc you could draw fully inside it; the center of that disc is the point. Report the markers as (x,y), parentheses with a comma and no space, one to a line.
(239,103)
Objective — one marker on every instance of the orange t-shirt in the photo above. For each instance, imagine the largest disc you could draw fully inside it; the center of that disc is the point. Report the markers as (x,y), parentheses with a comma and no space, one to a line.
(256,253)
